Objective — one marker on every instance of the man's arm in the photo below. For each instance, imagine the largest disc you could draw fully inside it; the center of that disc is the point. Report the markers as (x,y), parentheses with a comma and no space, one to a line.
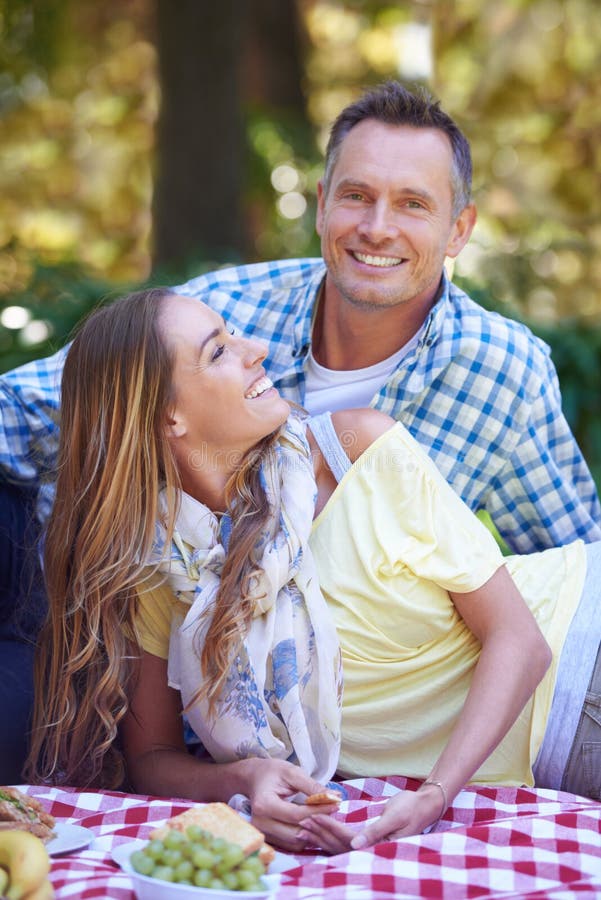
(545,495)
(29,404)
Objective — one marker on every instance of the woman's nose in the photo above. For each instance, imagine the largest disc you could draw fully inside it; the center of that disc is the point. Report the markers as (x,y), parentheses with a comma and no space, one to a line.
(253,351)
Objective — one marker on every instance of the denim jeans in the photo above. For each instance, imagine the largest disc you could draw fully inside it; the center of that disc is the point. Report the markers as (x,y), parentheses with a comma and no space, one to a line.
(22,608)
(582,774)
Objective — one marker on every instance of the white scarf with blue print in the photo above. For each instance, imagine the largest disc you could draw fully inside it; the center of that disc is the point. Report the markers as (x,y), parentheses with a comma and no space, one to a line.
(282,696)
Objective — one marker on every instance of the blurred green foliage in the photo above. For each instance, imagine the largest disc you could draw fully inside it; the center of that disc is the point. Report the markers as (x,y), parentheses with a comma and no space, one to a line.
(79,96)
(576,353)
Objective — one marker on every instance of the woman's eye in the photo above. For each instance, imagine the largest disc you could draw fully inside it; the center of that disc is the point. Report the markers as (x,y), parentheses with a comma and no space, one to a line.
(218,351)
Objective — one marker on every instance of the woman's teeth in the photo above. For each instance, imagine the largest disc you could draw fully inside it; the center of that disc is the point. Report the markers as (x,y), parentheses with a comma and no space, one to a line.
(259,387)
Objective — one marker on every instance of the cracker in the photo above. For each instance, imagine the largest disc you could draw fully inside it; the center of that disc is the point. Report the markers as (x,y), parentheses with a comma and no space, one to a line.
(327,796)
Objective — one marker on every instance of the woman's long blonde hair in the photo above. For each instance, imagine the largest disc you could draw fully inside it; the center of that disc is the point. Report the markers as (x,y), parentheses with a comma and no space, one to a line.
(114,458)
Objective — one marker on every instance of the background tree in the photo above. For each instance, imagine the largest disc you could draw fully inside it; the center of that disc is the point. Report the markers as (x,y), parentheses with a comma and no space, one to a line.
(246,92)
(200,161)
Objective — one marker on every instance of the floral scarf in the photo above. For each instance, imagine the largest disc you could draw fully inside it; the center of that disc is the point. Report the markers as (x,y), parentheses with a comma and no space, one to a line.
(282,696)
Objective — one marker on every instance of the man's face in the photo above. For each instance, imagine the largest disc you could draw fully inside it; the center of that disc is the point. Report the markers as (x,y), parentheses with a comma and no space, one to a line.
(386,220)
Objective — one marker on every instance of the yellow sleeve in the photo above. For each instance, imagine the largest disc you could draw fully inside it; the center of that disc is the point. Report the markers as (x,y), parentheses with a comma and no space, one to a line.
(422,528)
(156,603)
(441,539)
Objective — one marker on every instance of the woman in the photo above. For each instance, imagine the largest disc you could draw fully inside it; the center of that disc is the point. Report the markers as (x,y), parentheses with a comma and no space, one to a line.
(189,433)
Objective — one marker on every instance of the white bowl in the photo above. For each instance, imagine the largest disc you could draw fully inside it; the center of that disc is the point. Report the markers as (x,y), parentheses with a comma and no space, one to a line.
(148,888)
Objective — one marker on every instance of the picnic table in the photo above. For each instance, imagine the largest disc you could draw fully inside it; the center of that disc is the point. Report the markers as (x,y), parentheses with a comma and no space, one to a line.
(492,842)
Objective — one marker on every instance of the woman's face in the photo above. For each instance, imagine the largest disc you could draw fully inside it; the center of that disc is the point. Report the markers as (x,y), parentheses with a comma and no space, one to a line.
(224,403)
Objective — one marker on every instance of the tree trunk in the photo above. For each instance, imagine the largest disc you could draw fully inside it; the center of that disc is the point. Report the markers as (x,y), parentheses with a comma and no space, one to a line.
(201,140)
(274,67)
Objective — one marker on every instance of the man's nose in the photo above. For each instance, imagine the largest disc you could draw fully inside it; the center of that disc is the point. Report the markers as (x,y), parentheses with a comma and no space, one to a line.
(378,223)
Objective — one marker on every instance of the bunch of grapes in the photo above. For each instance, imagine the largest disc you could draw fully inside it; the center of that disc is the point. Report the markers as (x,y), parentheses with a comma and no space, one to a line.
(198,858)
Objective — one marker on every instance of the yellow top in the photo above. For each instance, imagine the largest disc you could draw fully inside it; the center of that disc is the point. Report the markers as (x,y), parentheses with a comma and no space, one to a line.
(391,541)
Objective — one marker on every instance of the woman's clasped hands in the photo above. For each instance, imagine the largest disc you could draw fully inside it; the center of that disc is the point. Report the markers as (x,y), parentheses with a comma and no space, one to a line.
(405,814)
(272,784)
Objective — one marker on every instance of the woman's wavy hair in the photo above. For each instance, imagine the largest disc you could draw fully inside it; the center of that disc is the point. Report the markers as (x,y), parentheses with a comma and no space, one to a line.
(114,459)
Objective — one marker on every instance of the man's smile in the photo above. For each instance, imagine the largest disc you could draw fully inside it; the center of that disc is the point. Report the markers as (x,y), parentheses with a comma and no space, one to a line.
(382,262)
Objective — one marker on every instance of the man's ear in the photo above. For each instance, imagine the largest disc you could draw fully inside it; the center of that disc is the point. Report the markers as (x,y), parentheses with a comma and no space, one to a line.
(462,230)
(320,207)
(175,427)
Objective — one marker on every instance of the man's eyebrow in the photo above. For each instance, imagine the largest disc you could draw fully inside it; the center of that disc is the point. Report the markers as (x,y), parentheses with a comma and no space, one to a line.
(407,191)
(351,183)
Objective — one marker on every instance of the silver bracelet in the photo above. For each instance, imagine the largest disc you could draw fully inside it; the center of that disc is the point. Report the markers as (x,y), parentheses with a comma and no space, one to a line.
(445,802)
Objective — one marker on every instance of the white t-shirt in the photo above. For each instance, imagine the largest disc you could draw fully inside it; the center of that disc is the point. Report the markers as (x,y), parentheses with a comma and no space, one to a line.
(327,390)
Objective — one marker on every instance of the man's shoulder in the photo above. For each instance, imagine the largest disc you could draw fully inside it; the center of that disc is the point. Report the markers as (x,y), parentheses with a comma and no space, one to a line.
(257,278)
(494,333)
(39,375)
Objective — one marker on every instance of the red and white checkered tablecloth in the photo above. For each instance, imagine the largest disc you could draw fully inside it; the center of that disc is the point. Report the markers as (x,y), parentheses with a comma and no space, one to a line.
(492,842)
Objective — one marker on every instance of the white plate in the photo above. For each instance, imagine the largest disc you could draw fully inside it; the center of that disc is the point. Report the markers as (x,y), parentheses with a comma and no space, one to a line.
(69,838)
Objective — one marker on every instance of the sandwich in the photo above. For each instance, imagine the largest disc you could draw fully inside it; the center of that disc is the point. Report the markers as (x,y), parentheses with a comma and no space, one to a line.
(19,812)
(221,821)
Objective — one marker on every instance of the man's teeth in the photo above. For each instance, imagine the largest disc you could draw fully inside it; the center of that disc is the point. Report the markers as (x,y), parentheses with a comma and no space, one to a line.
(259,387)
(382,261)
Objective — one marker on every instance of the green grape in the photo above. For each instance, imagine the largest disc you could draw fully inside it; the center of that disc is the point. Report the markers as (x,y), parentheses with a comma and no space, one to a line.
(233,855)
(219,844)
(256,886)
(188,849)
(202,877)
(196,833)
(247,880)
(172,857)
(230,880)
(141,862)
(154,849)
(184,871)
(174,840)
(216,884)
(202,858)
(254,864)
(163,873)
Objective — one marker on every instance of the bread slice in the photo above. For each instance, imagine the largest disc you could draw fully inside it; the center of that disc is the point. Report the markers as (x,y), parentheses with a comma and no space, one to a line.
(266,854)
(222,821)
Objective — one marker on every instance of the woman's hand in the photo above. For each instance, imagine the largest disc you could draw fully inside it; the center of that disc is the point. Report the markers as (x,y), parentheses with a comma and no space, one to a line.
(407,813)
(271,784)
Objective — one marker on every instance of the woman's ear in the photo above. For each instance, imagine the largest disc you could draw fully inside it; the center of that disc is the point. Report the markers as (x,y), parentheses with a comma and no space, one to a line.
(175,426)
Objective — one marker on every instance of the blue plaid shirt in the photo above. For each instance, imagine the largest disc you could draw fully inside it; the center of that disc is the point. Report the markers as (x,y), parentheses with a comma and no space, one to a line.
(479,392)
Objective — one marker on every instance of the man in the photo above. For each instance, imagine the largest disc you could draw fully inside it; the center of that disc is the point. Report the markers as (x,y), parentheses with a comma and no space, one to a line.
(377,321)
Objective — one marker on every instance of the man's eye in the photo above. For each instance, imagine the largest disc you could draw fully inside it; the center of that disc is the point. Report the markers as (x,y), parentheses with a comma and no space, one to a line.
(218,352)
(355,195)
(415,204)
